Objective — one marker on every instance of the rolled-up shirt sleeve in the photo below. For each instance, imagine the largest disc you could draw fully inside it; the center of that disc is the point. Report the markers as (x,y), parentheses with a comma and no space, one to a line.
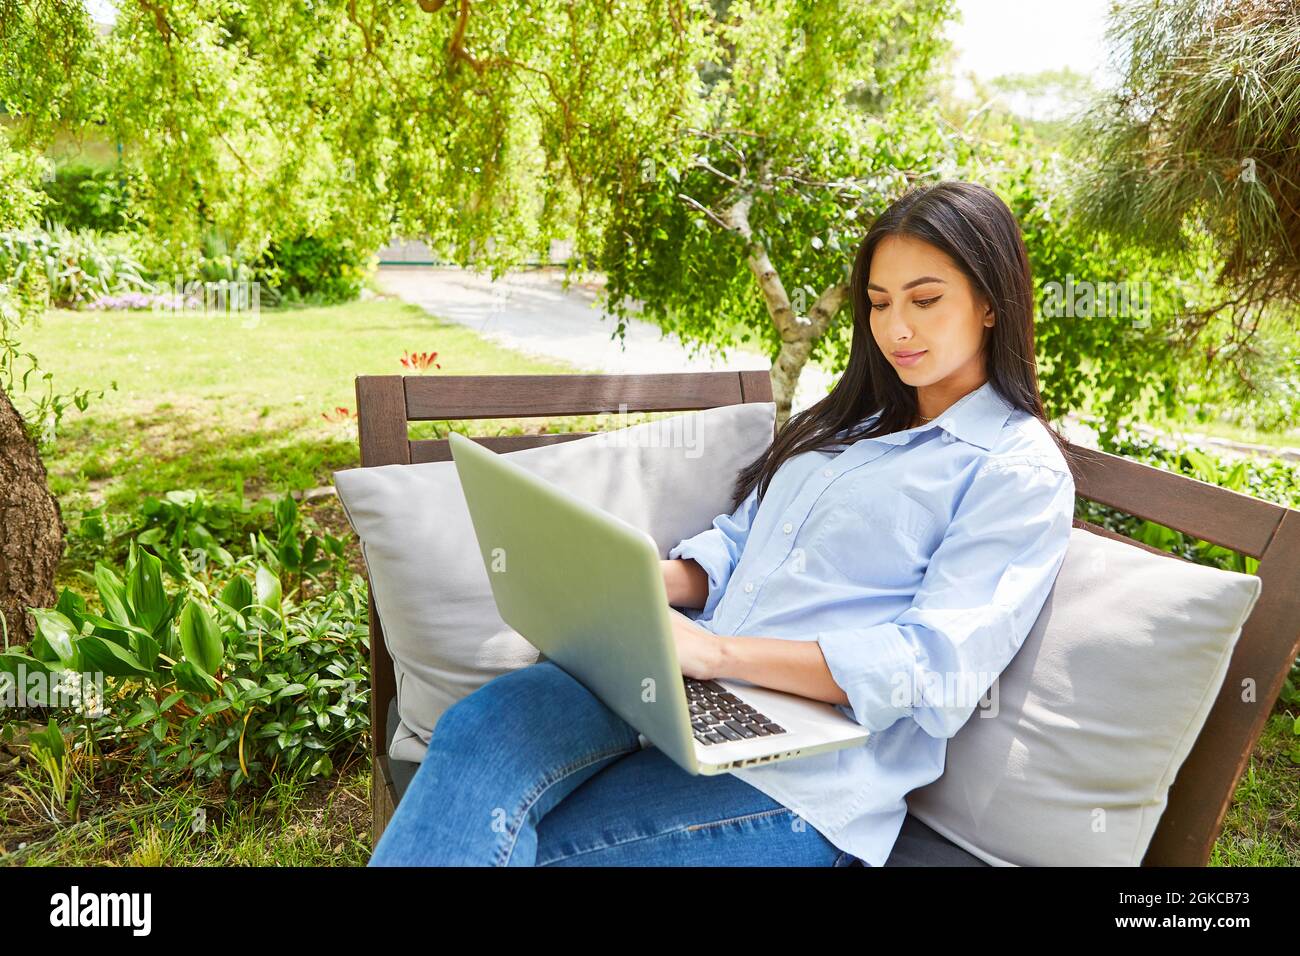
(983,589)
(717,549)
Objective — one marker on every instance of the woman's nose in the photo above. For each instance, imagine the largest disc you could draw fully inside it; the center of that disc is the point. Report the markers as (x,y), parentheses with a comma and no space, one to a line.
(896,329)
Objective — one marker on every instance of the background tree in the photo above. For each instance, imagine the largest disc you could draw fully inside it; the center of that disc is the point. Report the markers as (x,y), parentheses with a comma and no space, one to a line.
(1196,153)
(31,526)
(481,129)
(743,226)
(256,122)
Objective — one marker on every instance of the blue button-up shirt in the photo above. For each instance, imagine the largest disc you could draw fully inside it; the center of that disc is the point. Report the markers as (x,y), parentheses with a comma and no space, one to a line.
(919,561)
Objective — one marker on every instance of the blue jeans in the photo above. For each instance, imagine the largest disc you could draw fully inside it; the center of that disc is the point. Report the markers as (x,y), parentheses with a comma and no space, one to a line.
(533,770)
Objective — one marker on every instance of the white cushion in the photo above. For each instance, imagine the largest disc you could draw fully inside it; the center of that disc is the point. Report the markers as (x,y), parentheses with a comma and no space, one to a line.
(669,477)
(1071,761)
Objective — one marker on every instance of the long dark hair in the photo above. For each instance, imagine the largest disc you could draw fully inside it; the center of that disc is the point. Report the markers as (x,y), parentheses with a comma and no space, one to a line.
(978,232)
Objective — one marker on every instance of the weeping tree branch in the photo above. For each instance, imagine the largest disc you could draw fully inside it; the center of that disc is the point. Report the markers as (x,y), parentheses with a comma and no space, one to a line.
(798,333)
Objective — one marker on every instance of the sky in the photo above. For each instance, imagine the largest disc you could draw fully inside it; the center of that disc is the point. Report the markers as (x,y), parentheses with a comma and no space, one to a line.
(997,37)
(102,11)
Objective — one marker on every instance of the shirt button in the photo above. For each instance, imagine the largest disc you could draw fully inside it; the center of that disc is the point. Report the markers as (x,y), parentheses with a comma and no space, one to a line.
(749,586)
(787,527)
(827,472)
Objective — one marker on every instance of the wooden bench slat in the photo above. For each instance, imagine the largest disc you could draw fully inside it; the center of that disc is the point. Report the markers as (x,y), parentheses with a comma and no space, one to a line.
(381,420)
(462,397)
(381,430)
(1205,511)
(439,449)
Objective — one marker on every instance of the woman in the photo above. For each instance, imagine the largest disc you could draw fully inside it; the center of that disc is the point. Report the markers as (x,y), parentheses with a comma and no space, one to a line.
(889,553)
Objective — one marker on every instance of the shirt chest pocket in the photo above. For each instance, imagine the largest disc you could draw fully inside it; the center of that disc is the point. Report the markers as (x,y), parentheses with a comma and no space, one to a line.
(871,535)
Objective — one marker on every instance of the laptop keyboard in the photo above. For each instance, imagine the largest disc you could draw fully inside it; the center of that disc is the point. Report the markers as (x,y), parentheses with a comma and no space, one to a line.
(719,716)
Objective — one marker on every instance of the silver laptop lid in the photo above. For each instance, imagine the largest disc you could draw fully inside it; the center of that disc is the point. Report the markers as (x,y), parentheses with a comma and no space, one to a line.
(582,586)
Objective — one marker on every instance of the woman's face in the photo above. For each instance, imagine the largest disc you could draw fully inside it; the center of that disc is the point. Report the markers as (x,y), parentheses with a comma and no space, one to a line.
(922,304)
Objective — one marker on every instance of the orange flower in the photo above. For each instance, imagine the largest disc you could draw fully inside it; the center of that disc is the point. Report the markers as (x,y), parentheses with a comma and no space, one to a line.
(421,361)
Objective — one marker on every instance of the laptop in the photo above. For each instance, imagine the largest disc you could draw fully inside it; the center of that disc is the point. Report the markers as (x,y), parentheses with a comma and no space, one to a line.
(586,589)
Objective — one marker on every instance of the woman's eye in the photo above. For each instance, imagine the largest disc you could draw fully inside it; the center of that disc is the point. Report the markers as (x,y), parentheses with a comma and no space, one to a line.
(926,303)
(877,306)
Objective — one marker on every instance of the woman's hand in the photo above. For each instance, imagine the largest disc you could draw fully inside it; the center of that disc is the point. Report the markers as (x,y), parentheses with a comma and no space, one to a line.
(794,666)
(698,651)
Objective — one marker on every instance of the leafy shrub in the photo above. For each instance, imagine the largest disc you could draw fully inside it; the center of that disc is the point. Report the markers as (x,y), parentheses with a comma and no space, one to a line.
(190,530)
(224,678)
(222,262)
(89,197)
(312,268)
(78,266)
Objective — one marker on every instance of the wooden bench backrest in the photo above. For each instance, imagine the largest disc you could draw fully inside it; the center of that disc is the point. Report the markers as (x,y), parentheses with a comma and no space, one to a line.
(1270,641)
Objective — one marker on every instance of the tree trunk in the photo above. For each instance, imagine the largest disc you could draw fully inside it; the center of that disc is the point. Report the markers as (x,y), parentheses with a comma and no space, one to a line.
(798,332)
(31,526)
(785,376)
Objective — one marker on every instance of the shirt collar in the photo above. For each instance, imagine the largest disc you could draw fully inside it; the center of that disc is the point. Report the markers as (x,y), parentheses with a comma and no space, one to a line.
(976,418)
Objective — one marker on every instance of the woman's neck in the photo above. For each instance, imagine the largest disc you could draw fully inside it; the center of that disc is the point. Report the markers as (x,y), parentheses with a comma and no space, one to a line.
(933,400)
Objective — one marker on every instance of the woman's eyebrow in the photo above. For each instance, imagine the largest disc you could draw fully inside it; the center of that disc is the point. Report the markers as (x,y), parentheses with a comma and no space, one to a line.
(908,285)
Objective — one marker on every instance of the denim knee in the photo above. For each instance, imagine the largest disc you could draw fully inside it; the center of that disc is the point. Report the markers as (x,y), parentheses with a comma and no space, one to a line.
(486,703)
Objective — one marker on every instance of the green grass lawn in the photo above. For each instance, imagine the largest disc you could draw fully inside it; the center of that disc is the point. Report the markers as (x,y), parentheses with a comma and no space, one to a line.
(1262,827)
(1289,438)
(207,404)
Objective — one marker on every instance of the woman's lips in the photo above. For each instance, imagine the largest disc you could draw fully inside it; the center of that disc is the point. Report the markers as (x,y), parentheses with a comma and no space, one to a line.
(909,358)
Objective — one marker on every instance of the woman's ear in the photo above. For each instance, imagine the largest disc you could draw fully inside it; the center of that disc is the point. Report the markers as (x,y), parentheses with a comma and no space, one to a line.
(989,317)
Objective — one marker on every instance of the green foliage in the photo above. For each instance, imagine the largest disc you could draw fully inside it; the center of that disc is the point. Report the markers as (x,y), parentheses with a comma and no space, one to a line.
(1115,366)
(85,197)
(185,519)
(273,121)
(48,64)
(78,266)
(58,776)
(1202,133)
(191,531)
(314,269)
(296,552)
(227,678)
(807,128)
(25,289)
(20,194)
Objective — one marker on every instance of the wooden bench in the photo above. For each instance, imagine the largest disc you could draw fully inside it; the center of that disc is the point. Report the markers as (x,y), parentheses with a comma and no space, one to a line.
(1204,787)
